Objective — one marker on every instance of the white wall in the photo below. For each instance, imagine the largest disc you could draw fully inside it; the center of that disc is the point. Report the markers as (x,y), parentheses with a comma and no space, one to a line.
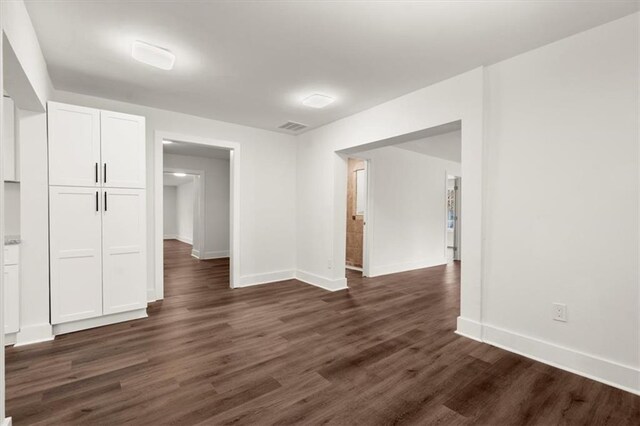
(169,200)
(561,227)
(407,230)
(558,134)
(217,199)
(267,186)
(26,71)
(34,228)
(185,201)
(11,208)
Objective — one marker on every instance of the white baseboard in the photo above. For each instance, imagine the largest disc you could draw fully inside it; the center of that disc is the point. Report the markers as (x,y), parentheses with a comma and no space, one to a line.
(469,328)
(7,422)
(151,295)
(210,254)
(216,254)
(306,277)
(270,277)
(377,271)
(70,327)
(322,282)
(34,334)
(184,240)
(353,268)
(170,237)
(612,373)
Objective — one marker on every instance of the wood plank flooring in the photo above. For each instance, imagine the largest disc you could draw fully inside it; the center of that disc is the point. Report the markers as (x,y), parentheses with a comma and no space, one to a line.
(383,352)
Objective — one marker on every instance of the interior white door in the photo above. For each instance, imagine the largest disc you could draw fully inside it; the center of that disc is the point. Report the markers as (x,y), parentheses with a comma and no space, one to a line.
(76,253)
(11,299)
(124,250)
(74,145)
(123,150)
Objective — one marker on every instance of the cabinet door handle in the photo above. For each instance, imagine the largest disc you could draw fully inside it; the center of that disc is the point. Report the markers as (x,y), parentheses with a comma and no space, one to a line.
(97,202)
(105,201)
(96,172)
(104,174)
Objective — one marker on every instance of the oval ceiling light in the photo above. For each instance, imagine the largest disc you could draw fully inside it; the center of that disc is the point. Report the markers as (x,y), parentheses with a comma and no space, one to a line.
(179,174)
(317,101)
(166,142)
(153,55)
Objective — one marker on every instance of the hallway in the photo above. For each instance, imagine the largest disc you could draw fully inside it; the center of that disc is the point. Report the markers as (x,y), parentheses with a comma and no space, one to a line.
(382,352)
(184,274)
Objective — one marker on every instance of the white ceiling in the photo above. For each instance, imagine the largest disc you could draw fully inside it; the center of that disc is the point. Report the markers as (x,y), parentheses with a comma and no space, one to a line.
(251,62)
(447,146)
(170,180)
(195,150)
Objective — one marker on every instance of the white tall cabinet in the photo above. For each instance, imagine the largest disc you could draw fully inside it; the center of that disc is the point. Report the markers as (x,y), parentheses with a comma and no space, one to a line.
(74,145)
(97,215)
(123,250)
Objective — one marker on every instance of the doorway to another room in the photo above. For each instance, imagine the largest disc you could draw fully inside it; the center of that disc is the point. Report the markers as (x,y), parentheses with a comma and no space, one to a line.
(356,220)
(453,228)
(395,194)
(180,208)
(196,217)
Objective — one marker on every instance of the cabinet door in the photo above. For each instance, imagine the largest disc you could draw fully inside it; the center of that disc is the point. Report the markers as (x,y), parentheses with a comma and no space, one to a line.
(124,250)
(76,253)
(8,139)
(123,150)
(74,145)
(11,299)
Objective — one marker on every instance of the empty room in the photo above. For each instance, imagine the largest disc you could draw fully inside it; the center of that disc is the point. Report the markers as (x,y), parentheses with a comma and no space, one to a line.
(320,212)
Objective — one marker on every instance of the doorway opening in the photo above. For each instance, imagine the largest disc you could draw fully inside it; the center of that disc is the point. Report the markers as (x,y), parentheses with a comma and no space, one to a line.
(181,207)
(453,226)
(356,260)
(196,221)
(394,193)
(196,213)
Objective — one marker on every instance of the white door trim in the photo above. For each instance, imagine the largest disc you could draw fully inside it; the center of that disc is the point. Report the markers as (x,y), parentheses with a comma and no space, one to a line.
(234,214)
(367,237)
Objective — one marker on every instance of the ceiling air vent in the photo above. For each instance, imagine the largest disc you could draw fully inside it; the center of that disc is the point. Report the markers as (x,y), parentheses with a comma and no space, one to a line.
(292,126)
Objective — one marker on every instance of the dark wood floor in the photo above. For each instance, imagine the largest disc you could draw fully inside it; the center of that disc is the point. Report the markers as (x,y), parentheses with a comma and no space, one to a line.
(383,352)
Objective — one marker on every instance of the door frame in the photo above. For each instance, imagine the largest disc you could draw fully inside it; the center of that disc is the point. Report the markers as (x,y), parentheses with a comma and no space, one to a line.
(457,236)
(367,237)
(234,206)
(200,180)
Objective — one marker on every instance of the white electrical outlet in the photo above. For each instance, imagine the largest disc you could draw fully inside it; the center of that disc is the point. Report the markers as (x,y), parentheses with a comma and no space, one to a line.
(560,312)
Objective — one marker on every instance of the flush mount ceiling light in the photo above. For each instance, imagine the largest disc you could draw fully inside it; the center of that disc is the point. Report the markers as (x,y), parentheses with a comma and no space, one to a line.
(317,100)
(152,55)
(179,174)
(167,142)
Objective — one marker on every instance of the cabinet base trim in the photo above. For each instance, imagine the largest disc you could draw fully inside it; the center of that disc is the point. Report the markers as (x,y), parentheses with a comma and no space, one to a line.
(10,339)
(34,334)
(71,327)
